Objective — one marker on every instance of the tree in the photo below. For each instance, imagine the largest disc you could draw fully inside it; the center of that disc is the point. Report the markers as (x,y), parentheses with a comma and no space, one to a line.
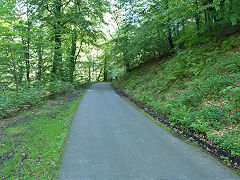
(148,25)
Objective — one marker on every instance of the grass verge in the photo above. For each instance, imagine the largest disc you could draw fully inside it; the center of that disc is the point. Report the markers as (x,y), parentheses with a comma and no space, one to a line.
(32,146)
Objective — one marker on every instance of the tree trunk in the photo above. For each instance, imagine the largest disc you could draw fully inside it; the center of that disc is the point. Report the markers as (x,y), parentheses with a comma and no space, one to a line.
(197,16)
(89,73)
(27,47)
(21,72)
(39,73)
(57,59)
(170,39)
(127,67)
(205,17)
(15,75)
(73,56)
(99,74)
(27,56)
(105,73)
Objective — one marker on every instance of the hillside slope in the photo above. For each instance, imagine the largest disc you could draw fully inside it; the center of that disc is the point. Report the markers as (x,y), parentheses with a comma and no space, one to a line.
(197,88)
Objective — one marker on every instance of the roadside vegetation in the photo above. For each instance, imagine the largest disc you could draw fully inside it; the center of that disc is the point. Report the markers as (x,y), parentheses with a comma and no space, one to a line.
(197,88)
(183,60)
(32,143)
(46,49)
(12,103)
(179,57)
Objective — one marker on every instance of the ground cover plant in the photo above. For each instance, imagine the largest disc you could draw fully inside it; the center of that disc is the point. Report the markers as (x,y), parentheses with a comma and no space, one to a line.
(32,143)
(197,88)
(27,97)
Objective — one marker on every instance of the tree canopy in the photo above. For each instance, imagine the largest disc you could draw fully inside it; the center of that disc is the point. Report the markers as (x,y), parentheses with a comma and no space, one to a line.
(55,40)
(44,40)
(153,28)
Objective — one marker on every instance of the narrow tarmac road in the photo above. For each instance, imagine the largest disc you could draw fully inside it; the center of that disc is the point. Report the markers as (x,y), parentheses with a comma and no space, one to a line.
(111,140)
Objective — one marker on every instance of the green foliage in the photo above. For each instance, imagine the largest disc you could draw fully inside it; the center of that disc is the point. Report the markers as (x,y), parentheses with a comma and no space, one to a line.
(151,29)
(44,49)
(207,119)
(197,88)
(230,43)
(59,88)
(41,42)
(12,102)
(229,139)
(33,147)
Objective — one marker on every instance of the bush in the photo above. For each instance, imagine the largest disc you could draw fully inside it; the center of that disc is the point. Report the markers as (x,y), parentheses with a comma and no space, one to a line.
(56,88)
(12,102)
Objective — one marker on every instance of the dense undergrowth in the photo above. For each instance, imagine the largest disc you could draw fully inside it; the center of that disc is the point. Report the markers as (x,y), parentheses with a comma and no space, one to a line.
(12,102)
(32,143)
(197,88)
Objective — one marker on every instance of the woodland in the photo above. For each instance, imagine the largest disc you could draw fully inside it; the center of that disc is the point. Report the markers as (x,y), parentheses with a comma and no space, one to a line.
(49,47)
(180,57)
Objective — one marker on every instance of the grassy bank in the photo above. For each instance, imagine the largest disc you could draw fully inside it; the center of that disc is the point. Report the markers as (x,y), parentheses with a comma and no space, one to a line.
(32,143)
(197,88)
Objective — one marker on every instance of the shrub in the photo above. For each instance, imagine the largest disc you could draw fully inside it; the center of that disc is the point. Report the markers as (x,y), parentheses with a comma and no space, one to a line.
(12,102)
(56,88)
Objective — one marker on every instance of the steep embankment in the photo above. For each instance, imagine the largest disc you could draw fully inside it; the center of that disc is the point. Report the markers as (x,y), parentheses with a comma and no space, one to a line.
(197,88)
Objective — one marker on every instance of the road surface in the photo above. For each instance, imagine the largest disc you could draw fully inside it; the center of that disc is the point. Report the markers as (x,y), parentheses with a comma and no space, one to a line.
(112,140)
